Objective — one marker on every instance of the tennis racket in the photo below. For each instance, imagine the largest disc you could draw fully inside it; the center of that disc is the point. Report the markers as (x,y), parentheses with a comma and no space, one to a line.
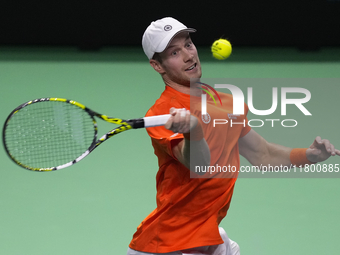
(53,133)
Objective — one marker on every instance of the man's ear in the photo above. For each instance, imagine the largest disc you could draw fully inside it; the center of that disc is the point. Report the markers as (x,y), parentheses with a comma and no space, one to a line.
(157,66)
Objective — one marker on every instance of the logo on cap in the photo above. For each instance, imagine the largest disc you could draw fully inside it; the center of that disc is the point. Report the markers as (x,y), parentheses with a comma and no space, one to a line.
(167,27)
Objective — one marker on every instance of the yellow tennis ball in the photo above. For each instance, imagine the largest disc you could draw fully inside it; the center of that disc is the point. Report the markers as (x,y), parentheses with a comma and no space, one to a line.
(221,49)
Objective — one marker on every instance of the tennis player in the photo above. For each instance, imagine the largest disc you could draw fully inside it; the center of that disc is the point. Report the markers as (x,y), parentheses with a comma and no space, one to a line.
(189,210)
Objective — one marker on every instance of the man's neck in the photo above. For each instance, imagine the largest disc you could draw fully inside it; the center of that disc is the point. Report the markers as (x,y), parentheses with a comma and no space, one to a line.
(185,89)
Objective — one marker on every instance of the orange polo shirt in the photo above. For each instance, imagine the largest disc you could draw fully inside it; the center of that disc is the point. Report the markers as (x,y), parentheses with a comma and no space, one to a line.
(189,210)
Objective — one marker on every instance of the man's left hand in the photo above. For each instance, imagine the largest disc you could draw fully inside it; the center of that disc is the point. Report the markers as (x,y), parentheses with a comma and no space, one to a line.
(320,150)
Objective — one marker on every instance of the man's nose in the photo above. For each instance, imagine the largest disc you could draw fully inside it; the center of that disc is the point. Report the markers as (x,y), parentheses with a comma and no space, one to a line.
(188,55)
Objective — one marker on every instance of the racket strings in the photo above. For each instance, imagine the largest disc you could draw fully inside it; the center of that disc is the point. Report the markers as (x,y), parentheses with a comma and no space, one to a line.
(49,134)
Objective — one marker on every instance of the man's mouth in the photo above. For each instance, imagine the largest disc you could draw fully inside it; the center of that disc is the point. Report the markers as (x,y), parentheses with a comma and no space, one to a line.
(191,67)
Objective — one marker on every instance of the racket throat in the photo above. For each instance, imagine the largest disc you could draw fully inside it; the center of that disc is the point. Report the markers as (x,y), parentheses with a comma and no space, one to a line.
(136,123)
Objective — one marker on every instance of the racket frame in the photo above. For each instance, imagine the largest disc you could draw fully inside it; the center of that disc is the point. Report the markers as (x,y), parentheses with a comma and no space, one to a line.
(124,126)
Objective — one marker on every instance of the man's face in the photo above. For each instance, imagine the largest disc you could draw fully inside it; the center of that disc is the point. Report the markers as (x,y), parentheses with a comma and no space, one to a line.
(180,61)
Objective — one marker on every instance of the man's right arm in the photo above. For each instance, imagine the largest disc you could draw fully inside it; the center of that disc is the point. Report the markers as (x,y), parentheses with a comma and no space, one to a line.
(193,150)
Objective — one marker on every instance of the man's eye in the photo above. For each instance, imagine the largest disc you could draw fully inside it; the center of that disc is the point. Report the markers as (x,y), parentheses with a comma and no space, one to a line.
(189,44)
(174,53)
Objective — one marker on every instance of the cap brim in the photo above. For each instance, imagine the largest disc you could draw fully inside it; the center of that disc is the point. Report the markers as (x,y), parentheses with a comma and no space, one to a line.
(167,40)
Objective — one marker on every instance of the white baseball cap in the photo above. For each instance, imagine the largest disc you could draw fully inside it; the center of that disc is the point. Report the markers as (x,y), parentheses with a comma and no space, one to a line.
(159,34)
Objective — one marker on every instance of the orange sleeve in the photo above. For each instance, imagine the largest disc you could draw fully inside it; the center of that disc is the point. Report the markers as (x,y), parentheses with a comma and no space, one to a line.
(164,140)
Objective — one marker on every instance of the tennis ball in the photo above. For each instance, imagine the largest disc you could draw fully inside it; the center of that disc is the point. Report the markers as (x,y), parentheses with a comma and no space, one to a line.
(221,49)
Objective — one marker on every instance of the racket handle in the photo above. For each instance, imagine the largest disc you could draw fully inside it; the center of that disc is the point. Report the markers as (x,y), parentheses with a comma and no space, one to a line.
(155,121)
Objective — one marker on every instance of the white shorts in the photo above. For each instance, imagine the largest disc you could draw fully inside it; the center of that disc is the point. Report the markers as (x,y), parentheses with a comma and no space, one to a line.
(229,247)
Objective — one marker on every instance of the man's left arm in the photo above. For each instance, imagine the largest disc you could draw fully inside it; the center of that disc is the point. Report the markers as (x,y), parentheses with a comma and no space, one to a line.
(260,152)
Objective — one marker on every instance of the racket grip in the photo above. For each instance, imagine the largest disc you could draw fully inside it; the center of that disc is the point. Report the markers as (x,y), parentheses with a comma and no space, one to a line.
(155,121)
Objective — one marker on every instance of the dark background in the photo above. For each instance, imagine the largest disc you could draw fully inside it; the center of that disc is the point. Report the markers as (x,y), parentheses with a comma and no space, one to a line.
(93,24)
